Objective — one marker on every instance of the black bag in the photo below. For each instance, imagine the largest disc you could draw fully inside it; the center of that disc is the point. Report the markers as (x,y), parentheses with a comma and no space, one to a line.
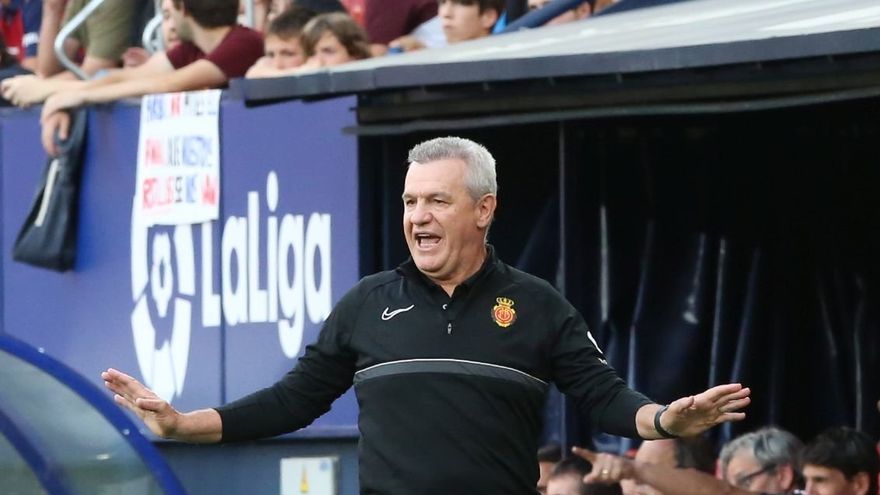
(48,237)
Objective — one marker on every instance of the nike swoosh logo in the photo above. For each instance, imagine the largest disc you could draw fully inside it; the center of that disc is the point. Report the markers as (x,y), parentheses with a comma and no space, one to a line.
(387,315)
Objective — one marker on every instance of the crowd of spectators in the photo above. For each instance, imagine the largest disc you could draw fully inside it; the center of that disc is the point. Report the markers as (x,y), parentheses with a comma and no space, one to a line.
(767,461)
(109,39)
(203,44)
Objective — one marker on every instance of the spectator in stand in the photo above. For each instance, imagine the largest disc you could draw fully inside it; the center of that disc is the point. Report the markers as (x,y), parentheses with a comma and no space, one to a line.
(9,67)
(213,50)
(32,15)
(567,476)
(390,20)
(12,26)
(136,55)
(103,37)
(333,39)
(771,450)
(276,7)
(20,26)
(764,460)
(682,453)
(30,90)
(841,461)
(283,47)
(580,12)
(548,456)
(465,20)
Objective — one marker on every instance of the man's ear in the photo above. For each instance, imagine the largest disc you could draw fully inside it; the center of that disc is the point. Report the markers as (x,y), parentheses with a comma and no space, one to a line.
(488,19)
(860,483)
(486,210)
(786,476)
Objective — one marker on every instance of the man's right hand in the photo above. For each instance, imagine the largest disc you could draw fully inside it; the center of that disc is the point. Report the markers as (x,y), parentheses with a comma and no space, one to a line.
(156,413)
(201,426)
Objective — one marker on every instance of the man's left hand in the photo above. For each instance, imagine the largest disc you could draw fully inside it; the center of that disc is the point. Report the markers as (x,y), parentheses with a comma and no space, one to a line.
(695,414)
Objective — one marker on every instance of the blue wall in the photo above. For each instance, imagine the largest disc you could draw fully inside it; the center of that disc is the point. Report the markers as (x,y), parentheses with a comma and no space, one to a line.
(173,306)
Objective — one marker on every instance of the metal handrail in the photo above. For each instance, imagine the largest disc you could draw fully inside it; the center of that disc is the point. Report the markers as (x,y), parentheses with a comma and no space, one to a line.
(541,16)
(249,12)
(149,40)
(65,33)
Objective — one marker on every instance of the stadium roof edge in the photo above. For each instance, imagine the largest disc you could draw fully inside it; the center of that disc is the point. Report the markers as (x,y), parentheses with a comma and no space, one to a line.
(690,35)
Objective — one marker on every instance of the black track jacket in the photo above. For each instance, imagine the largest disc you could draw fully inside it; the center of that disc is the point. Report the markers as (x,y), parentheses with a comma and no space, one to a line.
(451,389)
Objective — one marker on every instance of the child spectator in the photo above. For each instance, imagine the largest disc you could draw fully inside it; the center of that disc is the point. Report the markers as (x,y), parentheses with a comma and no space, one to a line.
(333,39)
(283,45)
(468,19)
(136,55)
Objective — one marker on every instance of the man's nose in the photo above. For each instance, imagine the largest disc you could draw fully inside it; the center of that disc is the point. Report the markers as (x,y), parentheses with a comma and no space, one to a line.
(420,214)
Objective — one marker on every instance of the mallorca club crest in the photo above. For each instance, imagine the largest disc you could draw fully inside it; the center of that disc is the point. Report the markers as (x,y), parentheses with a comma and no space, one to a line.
(503,313)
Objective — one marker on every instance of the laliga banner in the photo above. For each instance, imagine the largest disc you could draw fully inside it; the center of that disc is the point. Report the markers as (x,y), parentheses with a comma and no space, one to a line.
(206,312)
(178,162)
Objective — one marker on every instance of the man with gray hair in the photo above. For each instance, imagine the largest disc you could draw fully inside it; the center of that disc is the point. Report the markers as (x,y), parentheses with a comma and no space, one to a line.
(764,460)
(450,356)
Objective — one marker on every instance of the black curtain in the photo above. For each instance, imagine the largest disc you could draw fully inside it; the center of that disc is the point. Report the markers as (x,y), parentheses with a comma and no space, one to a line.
(733,248)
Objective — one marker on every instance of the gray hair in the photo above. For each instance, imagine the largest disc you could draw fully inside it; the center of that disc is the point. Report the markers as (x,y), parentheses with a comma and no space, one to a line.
(480,176)
(770,446)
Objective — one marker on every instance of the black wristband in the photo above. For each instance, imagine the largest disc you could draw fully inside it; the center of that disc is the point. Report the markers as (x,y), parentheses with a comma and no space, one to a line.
(657,426)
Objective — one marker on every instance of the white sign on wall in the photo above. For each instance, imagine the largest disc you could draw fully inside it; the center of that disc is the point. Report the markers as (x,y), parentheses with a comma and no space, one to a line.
(308,476)
(178,166)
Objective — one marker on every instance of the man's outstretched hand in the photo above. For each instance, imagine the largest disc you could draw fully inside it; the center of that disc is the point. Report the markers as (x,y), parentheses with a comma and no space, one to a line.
(156,413)
(203,425)
(695,414)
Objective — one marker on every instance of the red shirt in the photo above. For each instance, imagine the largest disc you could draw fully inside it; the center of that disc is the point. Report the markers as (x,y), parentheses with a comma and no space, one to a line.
(239,50)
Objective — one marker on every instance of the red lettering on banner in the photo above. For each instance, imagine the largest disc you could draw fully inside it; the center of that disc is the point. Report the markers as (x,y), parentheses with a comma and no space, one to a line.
(209,191)
(154,154)
(148,198)
(175,105)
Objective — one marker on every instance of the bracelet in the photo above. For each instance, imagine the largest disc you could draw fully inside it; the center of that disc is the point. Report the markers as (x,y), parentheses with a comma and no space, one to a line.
(657,426)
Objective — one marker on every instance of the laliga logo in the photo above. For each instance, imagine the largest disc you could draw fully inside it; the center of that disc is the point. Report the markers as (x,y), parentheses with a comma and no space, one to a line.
(294,287)
(163,368)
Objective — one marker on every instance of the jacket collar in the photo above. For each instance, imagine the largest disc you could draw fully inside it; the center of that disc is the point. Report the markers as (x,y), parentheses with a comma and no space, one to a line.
(409,269)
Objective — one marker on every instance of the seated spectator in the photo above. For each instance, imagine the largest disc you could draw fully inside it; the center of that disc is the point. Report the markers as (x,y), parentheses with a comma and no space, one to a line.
(548,456)
(390,20)
(25,91)
(770,445)
(567,476)
(103,37)
(213,50)
(276,7)
(136,55)
(333,39)
(841,461)
(464,20)
(695,453)
(427,35)
(581,11)
(9,67)
(283,47)
(609,469)
(764,460)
